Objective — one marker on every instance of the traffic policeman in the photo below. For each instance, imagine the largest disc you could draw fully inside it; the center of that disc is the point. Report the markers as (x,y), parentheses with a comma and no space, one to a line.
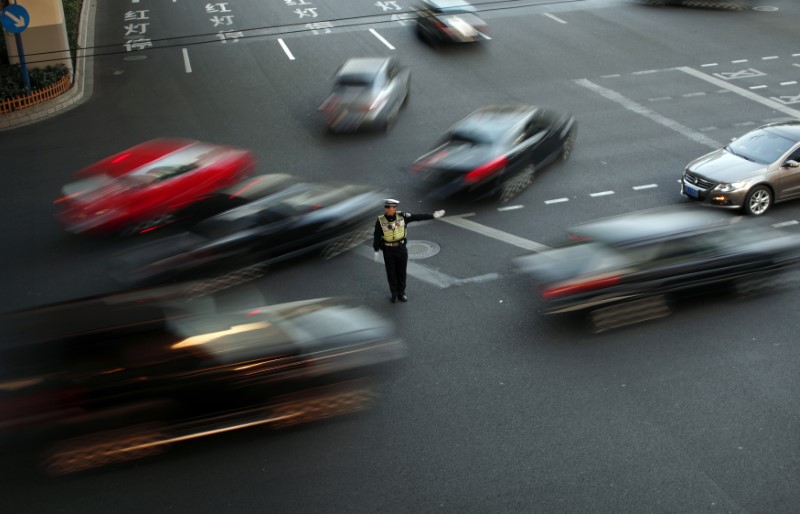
(390,236)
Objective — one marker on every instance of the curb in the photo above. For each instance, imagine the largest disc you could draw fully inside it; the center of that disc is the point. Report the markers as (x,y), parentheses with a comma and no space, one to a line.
(82,84)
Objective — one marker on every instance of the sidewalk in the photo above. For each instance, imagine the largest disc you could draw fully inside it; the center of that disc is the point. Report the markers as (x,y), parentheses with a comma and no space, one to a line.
(82,83)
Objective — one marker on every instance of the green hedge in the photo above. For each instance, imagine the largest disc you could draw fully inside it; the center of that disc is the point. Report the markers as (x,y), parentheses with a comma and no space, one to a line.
(11,79)
(11,76)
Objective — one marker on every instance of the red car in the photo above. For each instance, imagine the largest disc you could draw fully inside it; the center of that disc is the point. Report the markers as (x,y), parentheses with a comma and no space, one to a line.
(140,188)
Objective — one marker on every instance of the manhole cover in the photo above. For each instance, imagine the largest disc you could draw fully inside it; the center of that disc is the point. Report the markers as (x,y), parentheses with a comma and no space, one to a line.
(421,249)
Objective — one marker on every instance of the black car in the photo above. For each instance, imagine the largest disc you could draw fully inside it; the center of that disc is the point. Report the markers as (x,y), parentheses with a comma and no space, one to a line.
(368,93)
(112,378)
(449,21)
(496,151)
(630,268)
(302,218)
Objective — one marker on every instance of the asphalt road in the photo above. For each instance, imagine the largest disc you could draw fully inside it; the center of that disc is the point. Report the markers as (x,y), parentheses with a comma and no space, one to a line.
(497,409)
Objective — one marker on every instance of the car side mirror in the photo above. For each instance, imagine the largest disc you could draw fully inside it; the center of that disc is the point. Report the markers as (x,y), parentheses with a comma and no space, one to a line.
(791,163)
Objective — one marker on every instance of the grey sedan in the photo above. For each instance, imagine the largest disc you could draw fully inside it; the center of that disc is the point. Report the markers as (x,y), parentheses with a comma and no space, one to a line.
(751,173)
(368,92)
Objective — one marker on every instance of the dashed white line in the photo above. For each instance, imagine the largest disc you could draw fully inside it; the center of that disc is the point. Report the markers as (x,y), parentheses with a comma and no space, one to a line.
(795,64)
(381,39)
(610,76)
(790,83)
(785,223)
(647,113)
(795,55)
(744,123)
(769,58)
(645,72)
(741,91)
(510,208)
(601,193)
(757,87)
(739,61)
(286,49)
(707,129)
(660,99)
(556,200)
(699,93)
(644,186)
(709,64)
(186,64)
(559,20)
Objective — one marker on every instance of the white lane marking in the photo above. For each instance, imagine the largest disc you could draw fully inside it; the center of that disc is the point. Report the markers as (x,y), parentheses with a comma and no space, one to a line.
(559,20)
(601,193)
(795,64)
(286,49)
(660,99)
(610,76)
(645,72)
(757,87)
(744,123)
(431,276)
(689,95)
(740,91)
(709,64)
(647,113)
(484,36)
(644,186)
(771,57)
(186,64)
(707,129)
(556,200)
(790,83)
(795,55)
(785,223)
(382,40)
(510,208)
(740,60)
(495,234)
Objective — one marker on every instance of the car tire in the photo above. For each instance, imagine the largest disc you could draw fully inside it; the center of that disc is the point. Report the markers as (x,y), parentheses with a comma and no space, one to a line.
(569,142)
(758,201)
(517,183)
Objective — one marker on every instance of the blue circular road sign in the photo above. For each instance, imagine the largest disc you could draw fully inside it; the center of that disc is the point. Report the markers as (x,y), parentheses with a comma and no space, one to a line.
(15,18)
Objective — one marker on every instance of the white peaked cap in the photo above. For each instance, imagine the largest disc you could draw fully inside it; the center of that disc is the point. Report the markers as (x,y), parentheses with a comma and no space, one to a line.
(391,201)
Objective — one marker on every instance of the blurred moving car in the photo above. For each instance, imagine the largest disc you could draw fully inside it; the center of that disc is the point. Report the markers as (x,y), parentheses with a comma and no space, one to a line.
(496,150)
(143,186)
(299,219)
(368,92)
(751,173)
(449,21)
(106,379)
(629,268)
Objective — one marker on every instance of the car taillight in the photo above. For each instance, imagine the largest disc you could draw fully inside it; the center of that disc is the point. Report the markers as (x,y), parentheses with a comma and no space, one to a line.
(487,170)
(580,286)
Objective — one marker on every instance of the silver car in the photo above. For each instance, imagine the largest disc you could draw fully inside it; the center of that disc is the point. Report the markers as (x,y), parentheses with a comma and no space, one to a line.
(751,173)
(368,92)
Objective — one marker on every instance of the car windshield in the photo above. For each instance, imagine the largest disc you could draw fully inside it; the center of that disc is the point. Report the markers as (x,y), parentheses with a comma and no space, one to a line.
(761,146)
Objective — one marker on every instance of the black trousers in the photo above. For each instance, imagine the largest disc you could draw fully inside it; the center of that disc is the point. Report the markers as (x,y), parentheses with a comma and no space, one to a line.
(395,258)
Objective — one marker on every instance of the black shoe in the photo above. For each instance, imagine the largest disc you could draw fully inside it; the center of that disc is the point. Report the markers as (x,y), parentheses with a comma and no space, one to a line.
(394,299)
(403,298)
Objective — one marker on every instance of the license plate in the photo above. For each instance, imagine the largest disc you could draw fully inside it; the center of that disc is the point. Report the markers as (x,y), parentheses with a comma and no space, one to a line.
(690,190)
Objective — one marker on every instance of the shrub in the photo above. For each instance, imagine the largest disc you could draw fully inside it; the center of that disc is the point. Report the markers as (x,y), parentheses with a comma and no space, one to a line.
(11,79)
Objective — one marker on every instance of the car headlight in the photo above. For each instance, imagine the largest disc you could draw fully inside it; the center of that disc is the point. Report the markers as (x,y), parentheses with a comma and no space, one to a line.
(728,188)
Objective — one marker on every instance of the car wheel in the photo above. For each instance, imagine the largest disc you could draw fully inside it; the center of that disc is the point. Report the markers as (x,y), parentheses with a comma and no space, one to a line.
(99,449)
(517,183)
(629,312)
(391,118)
(758,201)
(566,151)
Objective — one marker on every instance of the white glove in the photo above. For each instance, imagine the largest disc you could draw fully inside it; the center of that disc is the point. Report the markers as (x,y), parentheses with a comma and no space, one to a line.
(438,214)
(376,257)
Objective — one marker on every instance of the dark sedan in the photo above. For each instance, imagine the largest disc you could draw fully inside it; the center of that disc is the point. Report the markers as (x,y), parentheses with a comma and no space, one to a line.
(496,151)
(300,219)
(368,93)
(106,379)
(449,21)
(628,269)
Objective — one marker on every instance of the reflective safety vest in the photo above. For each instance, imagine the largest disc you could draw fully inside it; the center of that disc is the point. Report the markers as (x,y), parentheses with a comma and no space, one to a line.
(393,230)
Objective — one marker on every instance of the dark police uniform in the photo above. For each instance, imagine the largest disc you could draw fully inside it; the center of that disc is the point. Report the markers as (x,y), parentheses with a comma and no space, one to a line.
(390,236)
